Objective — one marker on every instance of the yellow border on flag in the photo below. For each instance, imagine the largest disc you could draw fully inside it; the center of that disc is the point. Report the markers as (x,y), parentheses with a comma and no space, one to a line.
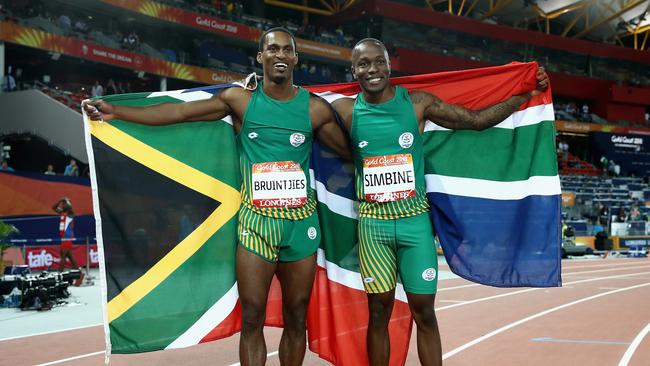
(185,175)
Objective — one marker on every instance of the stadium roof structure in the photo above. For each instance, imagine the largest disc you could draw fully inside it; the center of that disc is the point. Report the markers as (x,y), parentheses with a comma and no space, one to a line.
(622,22)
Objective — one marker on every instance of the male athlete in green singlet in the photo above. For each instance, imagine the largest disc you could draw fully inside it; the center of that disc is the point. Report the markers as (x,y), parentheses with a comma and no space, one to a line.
(278,226)
(385,124)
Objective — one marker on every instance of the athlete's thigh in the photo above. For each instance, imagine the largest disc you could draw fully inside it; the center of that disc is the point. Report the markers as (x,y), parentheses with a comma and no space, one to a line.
(416,255)
(297,279)
(377,257)
(260,234)
(254,275)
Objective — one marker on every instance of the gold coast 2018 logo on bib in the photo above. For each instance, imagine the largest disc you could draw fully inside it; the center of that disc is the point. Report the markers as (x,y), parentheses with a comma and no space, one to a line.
(388,178)
(278,184)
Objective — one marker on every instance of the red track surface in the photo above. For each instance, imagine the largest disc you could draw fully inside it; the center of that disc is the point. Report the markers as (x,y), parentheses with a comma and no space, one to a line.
(592,320)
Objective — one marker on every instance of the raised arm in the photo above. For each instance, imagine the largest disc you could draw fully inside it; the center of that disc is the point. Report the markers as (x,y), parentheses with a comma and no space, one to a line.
(326,129)
(167,113)
(457,117)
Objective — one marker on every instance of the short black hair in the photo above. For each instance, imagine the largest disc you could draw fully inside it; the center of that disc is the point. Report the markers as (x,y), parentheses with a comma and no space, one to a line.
(370,40)
(373,40)
(273,30)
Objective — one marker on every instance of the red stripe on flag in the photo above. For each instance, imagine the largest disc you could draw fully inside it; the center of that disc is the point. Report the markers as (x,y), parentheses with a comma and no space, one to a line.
(337,321)
(474,89)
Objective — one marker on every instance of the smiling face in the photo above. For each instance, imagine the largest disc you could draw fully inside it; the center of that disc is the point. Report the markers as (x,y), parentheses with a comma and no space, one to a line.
(371,67)
(278,57)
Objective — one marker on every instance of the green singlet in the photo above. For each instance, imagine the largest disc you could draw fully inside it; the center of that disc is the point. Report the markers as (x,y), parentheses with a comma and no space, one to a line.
(275,147)
(388,158)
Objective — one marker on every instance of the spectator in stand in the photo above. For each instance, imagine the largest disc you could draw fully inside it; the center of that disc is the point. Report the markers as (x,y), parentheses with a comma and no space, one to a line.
(563,148)
(111,88)
(71,170)
(5,167)
(585,116)
(635,214)
(622,215)
(127,88)
(97,90)
(603,216)
(133,41)
(50,170)
(65,23)
(9,82)
(571,109)
(81,27)
(613,169)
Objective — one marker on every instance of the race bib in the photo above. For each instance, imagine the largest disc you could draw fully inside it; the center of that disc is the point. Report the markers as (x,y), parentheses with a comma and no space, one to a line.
(278,184)
(388,178)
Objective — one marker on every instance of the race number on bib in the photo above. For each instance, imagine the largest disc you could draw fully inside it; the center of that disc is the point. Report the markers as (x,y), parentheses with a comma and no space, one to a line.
(278,184)
(388,178)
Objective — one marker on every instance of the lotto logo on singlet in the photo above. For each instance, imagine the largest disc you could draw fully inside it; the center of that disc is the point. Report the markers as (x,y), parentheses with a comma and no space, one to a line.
(429,274)
(278,184)
(406,140)
(252,135)
(388,178)
(312,233)
(368,280)
(296,139)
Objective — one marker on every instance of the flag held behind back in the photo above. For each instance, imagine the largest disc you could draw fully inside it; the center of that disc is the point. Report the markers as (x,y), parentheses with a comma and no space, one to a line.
(166,217)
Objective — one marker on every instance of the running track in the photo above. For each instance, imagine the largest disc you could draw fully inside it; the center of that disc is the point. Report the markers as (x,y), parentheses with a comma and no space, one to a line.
(600,317)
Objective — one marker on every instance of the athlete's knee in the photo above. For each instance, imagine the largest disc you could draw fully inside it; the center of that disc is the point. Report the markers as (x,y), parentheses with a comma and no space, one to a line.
(380,307)
(295,312)
(424,313)
(253,315)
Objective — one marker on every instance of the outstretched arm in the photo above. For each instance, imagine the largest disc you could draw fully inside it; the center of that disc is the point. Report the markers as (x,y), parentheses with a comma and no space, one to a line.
(457,117)
(166,113)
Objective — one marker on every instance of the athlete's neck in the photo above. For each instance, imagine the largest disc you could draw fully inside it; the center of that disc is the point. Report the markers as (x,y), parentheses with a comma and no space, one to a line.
(380,96)
(283,90)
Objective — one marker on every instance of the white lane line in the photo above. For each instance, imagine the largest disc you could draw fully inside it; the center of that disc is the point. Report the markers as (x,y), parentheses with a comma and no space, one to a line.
(621,263)
(534,289)
(457,287)
(535,316)
(51,332)
(635,343)
(72,358)
(267,355)
(564,285)
(603,270)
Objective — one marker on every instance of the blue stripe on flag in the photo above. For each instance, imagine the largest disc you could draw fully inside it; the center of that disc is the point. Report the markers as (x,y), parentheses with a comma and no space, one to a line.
(331,170)
(502,243)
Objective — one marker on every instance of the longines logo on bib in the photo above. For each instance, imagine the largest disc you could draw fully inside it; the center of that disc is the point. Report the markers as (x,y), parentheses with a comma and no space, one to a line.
(296,139)
(406,140)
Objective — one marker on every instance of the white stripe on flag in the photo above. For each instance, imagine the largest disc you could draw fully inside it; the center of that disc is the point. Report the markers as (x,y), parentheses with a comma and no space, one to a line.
(489,189)
(181,95)
(210,320)
(331,97)
(337,204)
(529,116)
(349,278)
